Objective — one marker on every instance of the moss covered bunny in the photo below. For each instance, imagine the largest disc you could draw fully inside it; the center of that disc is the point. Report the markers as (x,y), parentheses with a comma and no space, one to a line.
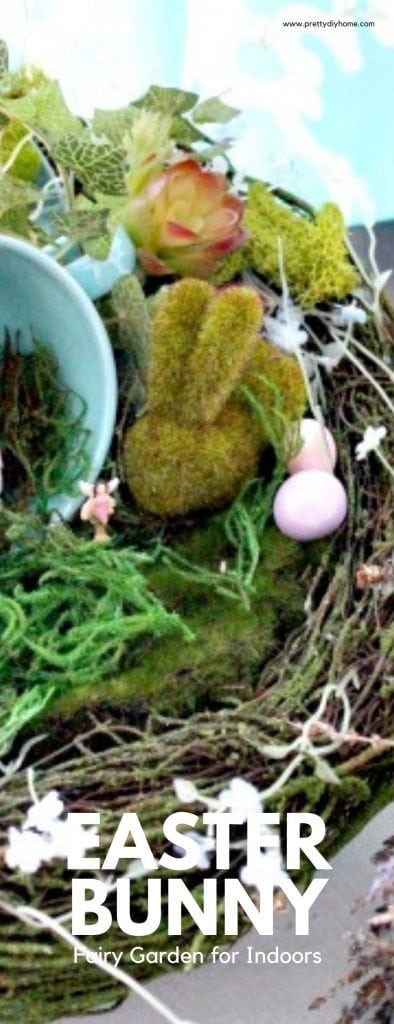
(200,439)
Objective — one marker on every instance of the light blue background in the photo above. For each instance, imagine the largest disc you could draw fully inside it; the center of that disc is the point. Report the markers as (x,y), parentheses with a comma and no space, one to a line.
(106,52)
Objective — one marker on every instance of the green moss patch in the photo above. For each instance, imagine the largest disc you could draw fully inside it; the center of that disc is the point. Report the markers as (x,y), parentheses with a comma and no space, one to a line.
(230,642)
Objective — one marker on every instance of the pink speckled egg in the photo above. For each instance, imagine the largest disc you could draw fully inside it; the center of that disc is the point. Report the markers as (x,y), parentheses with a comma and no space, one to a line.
(318,449)
(310,504)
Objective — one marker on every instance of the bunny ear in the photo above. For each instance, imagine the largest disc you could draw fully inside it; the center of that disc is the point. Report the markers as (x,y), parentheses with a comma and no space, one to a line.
(175,330)
(226,341)
(113,485)
(86,489)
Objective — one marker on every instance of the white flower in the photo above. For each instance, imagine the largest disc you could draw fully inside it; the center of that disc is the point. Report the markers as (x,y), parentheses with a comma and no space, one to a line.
(268,864)
(286,328)
(240,798)
(345,315)
(207,844)
(44,836)
(67,837)
(43,813)
(370,442)
(26,850)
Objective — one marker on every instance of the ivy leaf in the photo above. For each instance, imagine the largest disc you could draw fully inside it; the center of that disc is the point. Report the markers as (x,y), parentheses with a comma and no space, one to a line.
(81,225)
(44,111)
(16,194)
(184,132)
(215,111)
(113,124)
(28,161)
(100,166)
(167,101)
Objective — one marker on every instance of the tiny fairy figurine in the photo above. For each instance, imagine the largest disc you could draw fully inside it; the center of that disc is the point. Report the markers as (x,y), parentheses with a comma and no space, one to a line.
(99,507)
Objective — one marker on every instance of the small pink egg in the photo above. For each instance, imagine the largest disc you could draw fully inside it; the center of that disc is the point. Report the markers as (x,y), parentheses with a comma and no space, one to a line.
(318,449)
(310,504)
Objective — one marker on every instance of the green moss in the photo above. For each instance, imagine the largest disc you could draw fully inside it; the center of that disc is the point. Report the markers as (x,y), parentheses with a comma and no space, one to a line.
(314,253)
(315,259)
(71,611)
(232,265)
(231,643)
(201,439)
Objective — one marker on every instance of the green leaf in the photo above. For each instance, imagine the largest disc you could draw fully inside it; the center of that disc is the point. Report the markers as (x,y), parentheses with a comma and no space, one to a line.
(113,124)
(3,58)
(100,166)
(82,225)
(184,132)
(16,194)
(215,111)
(15,221)
(44,111)
(28,162)
(167,101)
(134,333)
(135,323)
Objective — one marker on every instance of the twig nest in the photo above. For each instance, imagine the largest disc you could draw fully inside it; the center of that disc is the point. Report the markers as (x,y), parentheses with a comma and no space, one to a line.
(309,505)
(318,448)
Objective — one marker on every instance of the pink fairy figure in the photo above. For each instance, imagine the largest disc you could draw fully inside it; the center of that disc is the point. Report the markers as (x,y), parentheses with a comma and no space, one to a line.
(99,507)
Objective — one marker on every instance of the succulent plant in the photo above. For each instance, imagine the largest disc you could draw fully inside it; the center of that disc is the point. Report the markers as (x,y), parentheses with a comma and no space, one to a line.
(200,439)
(184,220)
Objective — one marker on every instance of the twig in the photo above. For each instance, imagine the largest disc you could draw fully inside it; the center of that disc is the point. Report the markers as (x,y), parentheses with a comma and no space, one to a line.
(38,919)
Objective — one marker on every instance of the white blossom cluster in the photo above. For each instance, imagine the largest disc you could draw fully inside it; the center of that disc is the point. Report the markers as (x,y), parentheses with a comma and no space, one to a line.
(44,836)
(241,798)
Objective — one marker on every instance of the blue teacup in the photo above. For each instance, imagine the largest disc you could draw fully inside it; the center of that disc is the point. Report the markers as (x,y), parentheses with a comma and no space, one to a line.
(40,298)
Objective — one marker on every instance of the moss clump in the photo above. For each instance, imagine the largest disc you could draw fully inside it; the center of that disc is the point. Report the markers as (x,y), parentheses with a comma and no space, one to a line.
(71,611)
(230,643)
(42,436)
(201,440)
(316,264)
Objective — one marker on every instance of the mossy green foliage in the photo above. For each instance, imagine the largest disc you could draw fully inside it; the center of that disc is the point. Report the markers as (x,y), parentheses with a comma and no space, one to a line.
(230,642)
(201,440)
(42,438)
(316,264)
(71,612)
